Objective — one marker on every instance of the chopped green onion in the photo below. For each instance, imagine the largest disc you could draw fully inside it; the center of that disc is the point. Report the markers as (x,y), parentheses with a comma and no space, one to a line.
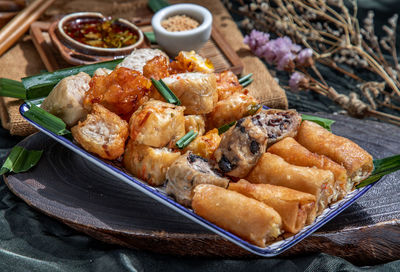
(156,5)
(47,120)
(12,88)
(151,37)
(166,92)
(247,82)
(382,167)
(187,139)
(253,109)
(20,160)
(245,78)
(41,85)
(225,127)
(325,123)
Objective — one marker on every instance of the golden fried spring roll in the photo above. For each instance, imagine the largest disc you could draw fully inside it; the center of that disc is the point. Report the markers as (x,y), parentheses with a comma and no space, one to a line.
(248,218)
(272,169)
(294,207)
(356,160)
(294,153)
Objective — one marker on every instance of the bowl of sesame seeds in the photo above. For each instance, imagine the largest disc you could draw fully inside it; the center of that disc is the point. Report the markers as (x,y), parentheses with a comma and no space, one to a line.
(182,27)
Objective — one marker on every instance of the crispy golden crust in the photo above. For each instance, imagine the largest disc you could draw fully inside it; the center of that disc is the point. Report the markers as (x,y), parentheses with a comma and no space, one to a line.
(195,123)
(232,108)
(356,160)
(205,145)
(103,133)
(294,153)
(227,84)
(148,163)
(157,123)
(293,206)
(250,219)
(272,169)
(196,91)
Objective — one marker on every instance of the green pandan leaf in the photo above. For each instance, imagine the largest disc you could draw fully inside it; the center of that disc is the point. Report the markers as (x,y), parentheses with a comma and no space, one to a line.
(382,167)
(20,160)
(325,123)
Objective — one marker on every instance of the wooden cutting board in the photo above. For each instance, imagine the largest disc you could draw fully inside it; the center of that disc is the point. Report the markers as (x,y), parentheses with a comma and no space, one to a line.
(65,186)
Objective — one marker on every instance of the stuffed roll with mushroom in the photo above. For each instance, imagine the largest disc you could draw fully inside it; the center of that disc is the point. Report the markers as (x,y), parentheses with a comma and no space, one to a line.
(241,147)
(186,173)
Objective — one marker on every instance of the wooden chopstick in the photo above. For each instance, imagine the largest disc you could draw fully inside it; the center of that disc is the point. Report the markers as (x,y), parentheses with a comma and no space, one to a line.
(21,23)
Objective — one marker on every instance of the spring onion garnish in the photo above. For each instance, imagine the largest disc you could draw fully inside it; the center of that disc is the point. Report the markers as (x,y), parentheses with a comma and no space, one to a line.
(156,5)
(187,139)
(20,160)
(247,82)
(151,37)
(325,123)
(253,109)
(166,92)
(382,167)
(12,88)
(41,85)
(47,120)
(225,127)
(245,78)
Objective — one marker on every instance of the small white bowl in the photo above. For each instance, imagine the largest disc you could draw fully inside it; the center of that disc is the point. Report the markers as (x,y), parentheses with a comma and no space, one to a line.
(194,39)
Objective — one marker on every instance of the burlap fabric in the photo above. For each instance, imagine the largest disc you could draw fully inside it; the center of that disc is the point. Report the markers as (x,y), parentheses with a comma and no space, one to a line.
(23,60)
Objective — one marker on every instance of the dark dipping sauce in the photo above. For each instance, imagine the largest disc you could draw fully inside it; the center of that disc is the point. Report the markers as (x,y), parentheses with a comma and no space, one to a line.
(101,33)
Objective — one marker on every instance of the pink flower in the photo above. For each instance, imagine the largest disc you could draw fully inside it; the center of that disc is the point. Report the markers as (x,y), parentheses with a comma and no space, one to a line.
(295,81)
(256,39)
(286,62)
(304,58)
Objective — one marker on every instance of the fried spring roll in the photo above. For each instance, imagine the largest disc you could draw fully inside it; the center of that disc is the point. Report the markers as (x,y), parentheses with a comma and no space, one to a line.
(356,160)
(294,207)
(250,219)
(272,169)
(294,153)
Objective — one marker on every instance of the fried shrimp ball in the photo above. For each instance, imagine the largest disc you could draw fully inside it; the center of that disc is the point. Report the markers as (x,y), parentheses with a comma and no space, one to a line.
(195,123)
(122,91)
(103,133)
(157,124)
(156,68)
(227,84)
(205,146)
(191,62)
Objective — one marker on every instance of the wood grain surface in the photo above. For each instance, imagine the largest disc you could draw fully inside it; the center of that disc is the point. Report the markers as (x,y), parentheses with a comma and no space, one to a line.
(67,187)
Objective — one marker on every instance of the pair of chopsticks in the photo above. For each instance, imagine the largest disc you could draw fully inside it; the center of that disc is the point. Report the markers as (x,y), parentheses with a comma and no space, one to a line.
(12,31)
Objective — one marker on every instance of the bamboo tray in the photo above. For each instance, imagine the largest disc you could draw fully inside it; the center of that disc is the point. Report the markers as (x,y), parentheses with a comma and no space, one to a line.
(216,49)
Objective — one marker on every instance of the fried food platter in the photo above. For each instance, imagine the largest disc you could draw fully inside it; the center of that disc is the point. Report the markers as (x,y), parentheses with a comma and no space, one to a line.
(75,191)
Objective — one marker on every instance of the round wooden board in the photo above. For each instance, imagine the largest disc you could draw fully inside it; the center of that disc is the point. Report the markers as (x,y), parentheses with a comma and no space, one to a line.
(67,187)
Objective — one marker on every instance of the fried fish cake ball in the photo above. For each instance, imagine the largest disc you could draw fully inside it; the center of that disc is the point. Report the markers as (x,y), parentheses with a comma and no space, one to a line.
(66,98)
(205,145)
(195,123)
(230,109)
(157,123)
(227,84)
(156,68)
(122,91)
(148,163)
(103,133)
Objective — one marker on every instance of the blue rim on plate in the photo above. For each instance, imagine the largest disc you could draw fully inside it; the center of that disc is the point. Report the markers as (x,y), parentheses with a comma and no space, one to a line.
(160,196)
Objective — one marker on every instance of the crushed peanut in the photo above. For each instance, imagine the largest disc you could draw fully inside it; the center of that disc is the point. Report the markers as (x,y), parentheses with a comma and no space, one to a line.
(179,23)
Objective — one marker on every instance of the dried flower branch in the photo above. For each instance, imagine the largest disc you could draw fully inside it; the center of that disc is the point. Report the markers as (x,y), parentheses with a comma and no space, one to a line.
(331,32)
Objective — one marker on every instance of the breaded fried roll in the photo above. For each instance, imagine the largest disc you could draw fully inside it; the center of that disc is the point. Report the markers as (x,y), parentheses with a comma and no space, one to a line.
(248,218)
(356,160)
(148,163)
(294,153)
(295,207)
(272,169)
(103,133)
